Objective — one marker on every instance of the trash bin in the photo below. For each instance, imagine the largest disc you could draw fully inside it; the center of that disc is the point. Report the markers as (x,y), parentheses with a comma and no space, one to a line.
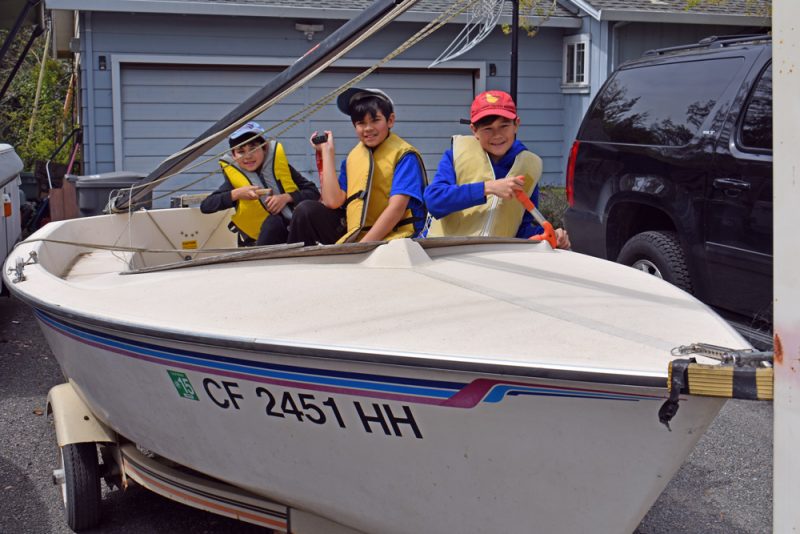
(94,190)
(29,186)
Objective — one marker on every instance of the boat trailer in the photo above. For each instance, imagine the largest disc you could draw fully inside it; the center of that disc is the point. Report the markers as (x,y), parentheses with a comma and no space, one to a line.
(81,435)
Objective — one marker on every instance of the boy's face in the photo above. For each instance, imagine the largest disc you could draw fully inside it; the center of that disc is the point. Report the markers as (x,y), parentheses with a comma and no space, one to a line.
(250,156)
(373,130)
(497,137)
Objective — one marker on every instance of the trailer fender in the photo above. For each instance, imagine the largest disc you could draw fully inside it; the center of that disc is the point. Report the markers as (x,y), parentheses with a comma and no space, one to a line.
(75,423)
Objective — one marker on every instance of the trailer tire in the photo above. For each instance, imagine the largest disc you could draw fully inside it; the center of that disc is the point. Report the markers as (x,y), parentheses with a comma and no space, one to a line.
(80,487)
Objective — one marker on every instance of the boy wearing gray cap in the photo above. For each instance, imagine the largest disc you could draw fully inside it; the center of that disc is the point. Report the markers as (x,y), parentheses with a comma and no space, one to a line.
(255,165)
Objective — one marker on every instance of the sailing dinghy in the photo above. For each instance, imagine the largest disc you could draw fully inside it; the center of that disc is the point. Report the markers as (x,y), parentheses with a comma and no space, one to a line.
(438,386)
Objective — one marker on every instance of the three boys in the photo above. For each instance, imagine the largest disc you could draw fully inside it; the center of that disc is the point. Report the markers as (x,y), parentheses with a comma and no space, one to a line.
(380,192)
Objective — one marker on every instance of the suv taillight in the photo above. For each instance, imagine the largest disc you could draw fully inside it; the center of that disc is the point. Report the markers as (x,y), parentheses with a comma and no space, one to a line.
(570,186)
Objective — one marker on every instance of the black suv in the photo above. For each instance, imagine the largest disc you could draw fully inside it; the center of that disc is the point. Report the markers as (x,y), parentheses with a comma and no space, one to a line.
(671,173)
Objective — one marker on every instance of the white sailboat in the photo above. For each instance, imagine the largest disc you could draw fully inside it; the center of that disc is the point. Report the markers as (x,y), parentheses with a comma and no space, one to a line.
(438,386)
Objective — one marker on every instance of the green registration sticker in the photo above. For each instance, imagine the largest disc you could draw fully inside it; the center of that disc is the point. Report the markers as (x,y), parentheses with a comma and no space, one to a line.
(182,384)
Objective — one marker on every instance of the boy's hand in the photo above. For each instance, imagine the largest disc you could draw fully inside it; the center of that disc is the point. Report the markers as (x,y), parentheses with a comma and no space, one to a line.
(562,239)
(504,187)
(325,146)
(276,203)
(247,192)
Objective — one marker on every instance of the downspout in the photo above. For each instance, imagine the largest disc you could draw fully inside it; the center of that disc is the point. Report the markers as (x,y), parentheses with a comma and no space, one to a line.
(514,49)
(612,58)
(88,56)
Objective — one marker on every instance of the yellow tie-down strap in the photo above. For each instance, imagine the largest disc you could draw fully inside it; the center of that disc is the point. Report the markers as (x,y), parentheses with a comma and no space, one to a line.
(733,382)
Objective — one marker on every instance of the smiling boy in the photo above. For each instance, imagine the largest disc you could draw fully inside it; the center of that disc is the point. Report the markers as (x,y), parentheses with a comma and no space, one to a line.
(255,164)
(473,191)
(378,193)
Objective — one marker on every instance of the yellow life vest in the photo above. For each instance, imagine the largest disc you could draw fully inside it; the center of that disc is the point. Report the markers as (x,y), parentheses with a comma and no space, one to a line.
(495,217)
(250,214)
(369,182)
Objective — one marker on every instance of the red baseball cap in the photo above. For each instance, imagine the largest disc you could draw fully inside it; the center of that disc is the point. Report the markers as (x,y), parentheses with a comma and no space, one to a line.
(492,103)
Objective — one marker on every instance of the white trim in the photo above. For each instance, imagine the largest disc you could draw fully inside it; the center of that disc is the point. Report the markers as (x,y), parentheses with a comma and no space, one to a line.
(116,60)
(568,41)
(575,90)
(587,8)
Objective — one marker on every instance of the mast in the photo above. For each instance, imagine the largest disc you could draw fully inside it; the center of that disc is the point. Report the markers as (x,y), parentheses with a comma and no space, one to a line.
(369,21)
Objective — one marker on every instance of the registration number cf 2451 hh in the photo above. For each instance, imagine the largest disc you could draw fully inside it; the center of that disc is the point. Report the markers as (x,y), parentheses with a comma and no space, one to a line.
(390,420)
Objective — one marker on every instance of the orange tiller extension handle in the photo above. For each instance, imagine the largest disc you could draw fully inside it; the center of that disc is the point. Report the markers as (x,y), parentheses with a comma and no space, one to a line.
(549,233)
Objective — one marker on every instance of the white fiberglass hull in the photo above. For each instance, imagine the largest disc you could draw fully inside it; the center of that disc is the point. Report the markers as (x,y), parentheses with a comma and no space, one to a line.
(385,448)
(470,389)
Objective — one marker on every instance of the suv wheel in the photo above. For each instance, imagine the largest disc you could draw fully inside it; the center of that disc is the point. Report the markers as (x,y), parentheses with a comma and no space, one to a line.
(660,254)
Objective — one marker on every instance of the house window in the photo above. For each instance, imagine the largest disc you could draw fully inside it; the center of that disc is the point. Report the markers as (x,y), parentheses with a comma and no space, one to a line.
(576,62)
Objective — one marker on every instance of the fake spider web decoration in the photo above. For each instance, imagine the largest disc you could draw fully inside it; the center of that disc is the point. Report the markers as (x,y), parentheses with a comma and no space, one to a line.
(482,19)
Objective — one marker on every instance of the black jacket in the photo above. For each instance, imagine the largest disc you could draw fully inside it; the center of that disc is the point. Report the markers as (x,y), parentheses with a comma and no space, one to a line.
(221,198)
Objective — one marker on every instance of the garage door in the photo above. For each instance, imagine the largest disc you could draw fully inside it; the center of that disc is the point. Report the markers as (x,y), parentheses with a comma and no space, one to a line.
(165,107)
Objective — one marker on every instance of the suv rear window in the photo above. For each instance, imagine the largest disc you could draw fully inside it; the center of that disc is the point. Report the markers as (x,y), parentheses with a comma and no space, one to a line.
(756,129)
(658,104)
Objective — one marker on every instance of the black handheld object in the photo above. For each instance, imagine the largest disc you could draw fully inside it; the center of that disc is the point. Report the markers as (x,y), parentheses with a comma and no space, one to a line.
(319,139)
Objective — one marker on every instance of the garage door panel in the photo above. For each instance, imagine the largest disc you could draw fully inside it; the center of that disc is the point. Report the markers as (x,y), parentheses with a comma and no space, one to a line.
(158,129)
(178,95)
(154,76)
(174,111)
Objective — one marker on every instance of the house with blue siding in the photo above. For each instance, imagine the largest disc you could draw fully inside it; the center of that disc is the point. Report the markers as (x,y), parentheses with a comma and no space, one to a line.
(154,74)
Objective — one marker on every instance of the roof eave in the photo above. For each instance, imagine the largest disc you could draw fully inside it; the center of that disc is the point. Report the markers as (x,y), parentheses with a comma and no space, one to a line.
(180,7)
(687,17)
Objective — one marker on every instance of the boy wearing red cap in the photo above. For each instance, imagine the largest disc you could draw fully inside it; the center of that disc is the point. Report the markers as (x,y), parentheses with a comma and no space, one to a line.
(378,193)
(473,192)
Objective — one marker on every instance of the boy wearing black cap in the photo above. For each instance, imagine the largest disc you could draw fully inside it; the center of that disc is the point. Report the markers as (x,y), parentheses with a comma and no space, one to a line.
(255,164)
(378,193)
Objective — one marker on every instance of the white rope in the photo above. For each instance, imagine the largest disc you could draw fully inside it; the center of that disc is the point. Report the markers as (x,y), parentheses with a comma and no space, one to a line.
(481,23)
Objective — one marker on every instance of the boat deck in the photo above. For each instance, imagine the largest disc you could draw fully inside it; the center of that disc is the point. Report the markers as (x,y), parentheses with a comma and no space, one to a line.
(518,304)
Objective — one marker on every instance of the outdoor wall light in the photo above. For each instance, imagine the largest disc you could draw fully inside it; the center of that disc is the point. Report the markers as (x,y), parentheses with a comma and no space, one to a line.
(101,63)
(492,69)
(308,29)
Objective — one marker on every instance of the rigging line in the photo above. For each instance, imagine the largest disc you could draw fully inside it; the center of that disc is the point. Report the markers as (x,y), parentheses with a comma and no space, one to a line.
(378,25)
(169,192)
(430,28)
(453,11)
(340,42)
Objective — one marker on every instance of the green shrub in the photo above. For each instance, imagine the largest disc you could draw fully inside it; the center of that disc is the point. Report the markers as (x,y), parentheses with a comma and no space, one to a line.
(16,107)
(552,204)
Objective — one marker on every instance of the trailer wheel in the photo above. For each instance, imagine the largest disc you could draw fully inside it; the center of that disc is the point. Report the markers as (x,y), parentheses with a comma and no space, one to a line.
(80,485)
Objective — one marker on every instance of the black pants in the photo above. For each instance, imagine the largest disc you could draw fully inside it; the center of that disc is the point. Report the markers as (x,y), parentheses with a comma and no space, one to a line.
(274,231)
(313,223)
